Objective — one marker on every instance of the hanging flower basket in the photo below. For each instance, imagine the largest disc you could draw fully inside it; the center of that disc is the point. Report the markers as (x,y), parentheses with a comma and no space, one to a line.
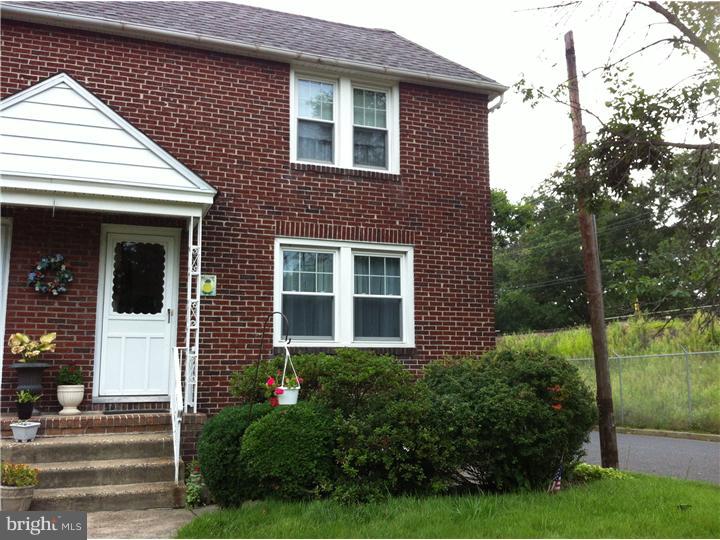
(285,390)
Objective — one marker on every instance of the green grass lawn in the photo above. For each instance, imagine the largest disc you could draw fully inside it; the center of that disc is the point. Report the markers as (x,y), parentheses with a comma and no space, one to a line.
(637,507)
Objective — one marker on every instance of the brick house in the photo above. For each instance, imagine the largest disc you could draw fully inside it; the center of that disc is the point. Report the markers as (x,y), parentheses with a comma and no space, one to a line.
(334,173)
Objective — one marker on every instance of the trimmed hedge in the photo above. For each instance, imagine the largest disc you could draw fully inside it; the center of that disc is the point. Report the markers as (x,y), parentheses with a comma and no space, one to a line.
(514,417)
(219,448)
(289,452)
(364,429)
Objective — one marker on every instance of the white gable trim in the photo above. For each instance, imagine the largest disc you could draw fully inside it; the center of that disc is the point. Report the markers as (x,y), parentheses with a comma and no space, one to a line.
(136,169)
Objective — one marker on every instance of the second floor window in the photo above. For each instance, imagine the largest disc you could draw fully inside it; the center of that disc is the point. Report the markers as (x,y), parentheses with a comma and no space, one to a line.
(315,126)
(344,123)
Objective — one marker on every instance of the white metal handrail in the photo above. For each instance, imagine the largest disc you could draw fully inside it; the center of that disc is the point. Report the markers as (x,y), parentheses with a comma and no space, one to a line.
(176,407)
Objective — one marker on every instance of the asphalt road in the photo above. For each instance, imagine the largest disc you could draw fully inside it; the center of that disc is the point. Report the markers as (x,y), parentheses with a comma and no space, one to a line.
(663,456)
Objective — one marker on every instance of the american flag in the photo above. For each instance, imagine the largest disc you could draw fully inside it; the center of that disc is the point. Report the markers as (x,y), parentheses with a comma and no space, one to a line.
(556,482)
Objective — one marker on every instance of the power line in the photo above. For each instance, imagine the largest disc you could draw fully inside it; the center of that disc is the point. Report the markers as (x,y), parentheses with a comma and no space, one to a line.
(575,236)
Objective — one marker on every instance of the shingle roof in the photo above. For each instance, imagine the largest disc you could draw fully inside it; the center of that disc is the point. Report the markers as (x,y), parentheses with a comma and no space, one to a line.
(265,28)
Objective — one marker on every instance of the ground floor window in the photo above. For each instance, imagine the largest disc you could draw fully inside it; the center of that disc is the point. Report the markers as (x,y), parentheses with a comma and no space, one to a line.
(345,293)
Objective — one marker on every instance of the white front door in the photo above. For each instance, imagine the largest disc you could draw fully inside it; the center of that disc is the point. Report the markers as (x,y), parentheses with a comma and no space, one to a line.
(138,300)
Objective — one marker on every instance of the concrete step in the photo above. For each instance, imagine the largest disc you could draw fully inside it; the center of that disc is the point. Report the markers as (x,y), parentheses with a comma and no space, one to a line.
(116,497)
(88,448)
(63,474)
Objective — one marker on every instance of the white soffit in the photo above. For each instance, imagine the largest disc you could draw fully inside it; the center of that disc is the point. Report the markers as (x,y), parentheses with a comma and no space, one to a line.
(56,136)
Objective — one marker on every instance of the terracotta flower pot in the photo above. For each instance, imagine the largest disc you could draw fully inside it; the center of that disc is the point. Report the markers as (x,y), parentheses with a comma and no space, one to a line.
(70,396)
(16,499)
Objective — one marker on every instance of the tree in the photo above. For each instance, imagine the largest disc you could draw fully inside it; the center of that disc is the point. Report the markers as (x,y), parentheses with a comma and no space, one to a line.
(633,143)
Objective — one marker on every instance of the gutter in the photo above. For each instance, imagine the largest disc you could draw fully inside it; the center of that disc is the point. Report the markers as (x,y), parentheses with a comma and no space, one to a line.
(199,41)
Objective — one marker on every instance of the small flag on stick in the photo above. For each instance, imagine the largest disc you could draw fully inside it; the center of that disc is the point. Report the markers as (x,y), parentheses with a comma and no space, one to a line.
(556,482)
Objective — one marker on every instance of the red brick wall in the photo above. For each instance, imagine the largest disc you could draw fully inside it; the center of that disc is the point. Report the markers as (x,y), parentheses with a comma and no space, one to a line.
(227,118)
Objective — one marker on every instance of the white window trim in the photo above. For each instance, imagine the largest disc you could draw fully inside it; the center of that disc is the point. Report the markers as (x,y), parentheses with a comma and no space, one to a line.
(344,121)
(344,291)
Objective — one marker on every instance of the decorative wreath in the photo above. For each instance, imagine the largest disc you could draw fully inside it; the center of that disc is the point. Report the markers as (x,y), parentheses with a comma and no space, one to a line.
(50,275)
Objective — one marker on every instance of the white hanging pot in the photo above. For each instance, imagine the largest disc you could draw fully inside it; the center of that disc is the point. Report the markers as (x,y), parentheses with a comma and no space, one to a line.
(70,396)
(289,396)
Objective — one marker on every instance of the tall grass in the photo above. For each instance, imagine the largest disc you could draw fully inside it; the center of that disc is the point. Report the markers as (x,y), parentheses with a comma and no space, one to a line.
(639,335)
(648,392)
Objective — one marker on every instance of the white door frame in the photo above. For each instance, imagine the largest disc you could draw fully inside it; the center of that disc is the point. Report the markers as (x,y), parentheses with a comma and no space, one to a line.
(5,243)
(173,287)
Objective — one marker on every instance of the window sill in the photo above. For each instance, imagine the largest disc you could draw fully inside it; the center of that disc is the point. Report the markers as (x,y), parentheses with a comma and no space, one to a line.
(355,173)
(329,345)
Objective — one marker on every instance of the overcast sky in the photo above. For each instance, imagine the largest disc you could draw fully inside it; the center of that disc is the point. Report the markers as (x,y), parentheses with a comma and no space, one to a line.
(507,40)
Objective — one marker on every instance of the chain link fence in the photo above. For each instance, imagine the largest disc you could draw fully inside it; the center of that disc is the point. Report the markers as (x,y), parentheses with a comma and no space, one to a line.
(676,391)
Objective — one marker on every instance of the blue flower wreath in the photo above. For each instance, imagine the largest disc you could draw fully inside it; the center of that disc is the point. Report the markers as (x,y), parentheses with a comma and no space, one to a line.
(57,282)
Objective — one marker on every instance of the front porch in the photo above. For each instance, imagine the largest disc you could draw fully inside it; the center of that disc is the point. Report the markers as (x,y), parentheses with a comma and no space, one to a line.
(80,181)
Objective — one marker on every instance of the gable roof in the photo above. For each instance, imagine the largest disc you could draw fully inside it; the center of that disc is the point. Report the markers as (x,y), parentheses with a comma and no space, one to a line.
(260,32)
(57,136)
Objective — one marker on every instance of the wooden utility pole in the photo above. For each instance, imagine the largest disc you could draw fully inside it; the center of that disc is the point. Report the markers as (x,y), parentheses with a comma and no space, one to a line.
(593,278)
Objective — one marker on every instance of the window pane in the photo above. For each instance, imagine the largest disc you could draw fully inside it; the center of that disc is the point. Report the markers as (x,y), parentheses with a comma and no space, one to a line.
(307,282)
(361,265)
(309,316)
(315,100)
(392,266)
(308,261)
(362,285)
(392,285)
(377,266)
(325,283)
(315,141)
(370,148)
(369,108)
(291,281)
(324,262)
(291,261)
(378,318)
(377,285)
(138,278)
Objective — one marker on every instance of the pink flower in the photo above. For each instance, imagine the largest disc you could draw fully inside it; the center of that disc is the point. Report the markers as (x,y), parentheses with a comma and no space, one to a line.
(274,402)
(557,406)
(270,381)
(279,391)
(299,380)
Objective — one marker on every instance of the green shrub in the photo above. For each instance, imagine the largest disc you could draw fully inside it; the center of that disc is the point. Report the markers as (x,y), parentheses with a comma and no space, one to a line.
(514,416)
(585,472)
(349,380)
(400,448)
(289,452)
(354,381)
(245,386)
(219,448)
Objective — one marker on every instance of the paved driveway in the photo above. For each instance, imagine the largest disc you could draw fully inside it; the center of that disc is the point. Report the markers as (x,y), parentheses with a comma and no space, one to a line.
(681,458)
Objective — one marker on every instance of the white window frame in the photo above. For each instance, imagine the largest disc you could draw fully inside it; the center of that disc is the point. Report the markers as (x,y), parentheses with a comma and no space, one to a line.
(344,290)
(343,118)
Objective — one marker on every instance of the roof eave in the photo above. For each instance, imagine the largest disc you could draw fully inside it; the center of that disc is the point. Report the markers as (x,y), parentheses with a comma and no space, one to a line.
(41,16)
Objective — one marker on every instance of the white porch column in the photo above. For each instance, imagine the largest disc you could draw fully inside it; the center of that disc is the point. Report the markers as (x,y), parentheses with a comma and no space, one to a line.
(192,317)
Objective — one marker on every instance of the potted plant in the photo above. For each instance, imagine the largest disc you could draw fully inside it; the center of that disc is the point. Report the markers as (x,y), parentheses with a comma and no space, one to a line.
(70,390)
(28,367)
(17,484)
(283,391)
(24,430)
(25,400)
